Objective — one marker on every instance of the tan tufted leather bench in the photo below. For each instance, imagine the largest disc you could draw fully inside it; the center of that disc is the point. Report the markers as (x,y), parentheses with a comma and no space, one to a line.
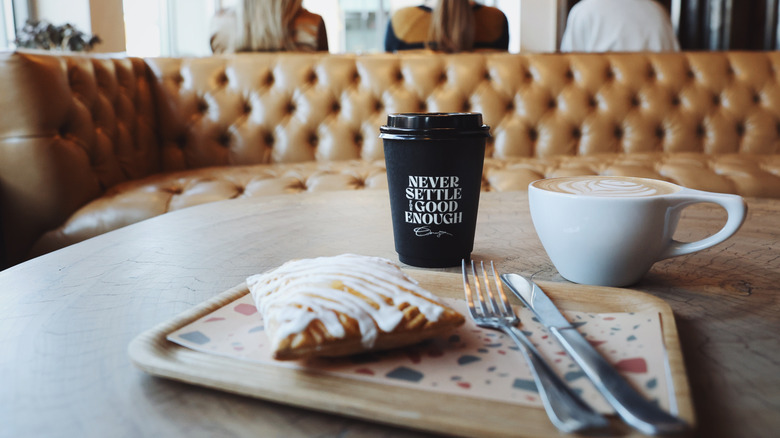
(92,143)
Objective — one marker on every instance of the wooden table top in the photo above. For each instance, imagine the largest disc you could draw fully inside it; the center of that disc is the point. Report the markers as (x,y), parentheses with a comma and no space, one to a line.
(66,318)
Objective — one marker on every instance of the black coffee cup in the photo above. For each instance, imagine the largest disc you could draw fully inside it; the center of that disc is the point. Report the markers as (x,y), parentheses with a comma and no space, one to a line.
(434,175)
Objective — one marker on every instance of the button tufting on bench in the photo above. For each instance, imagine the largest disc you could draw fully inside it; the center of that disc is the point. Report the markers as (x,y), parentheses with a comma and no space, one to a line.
(103,124)
(224,139)
(651,73)
(312,77)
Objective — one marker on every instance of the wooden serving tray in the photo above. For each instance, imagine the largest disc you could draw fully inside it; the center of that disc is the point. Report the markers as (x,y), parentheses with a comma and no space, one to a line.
(405,407)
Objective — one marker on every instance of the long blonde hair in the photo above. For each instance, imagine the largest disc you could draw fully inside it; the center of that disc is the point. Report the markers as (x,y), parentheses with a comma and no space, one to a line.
(266,25)
(452,26)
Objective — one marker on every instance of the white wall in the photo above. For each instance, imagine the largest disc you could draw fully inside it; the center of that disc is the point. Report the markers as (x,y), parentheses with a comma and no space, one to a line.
(190,33)
(331,13)
(511,9)
(142,26)
(59,12)
(538,25)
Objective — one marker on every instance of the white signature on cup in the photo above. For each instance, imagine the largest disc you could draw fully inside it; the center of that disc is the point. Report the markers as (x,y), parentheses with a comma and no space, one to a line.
(425,231)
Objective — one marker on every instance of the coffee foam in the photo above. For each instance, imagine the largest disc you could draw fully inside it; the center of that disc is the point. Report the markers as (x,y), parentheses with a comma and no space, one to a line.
(607,186)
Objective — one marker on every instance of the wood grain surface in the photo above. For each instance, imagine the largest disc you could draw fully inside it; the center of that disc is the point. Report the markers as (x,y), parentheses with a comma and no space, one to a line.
(67,318)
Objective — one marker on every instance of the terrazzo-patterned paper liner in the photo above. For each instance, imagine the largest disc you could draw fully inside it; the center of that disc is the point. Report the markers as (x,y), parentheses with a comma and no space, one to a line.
(470,362)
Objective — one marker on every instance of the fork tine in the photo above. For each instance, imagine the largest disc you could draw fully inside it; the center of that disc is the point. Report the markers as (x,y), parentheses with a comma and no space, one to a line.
(478,286)
(508,310)
(489,290)
(467,289)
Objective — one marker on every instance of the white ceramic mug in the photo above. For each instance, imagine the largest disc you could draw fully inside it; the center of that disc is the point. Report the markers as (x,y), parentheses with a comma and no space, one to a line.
(608,231)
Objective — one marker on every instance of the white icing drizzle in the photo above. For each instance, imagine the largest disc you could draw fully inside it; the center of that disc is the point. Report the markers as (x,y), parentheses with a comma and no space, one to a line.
(301,291)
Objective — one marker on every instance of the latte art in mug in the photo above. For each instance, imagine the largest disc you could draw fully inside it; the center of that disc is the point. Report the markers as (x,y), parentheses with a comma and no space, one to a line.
(607,186)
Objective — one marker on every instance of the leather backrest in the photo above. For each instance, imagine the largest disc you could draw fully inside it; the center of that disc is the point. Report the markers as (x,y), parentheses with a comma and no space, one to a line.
(263,108)
(70,127)
(74,125)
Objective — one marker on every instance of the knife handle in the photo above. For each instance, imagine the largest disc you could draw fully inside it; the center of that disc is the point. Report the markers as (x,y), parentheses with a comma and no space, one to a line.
(632,407)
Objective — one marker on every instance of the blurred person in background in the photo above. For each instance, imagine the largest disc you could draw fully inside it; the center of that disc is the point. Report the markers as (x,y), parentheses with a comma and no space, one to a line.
(267,26)
(619,26)
(450,26)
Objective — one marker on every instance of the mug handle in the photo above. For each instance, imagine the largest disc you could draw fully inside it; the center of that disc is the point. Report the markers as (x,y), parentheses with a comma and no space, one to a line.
(735,207)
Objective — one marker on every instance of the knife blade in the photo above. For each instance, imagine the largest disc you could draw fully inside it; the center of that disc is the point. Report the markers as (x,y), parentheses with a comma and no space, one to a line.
(631,406)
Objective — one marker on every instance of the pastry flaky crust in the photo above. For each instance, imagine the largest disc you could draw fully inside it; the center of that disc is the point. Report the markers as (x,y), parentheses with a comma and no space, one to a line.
(347,304)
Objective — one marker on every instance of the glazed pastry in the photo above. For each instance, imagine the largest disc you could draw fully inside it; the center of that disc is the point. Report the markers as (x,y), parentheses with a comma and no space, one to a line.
(336,306)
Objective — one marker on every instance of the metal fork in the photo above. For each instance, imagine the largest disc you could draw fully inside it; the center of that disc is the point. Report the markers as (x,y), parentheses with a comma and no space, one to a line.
(564,408)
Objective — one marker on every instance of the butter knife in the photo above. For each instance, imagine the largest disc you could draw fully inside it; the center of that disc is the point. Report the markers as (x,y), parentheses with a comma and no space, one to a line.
(631,406)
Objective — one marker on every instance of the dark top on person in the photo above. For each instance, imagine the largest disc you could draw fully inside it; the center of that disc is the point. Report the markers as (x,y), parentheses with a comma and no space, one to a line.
(408,29)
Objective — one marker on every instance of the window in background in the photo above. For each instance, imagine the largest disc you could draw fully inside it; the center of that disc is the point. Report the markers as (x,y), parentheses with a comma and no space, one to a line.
(143,27)
(6,30)
(181,27)
(331,12)
(168,27)
(13,15)
(510,8)
(363,23)
(189,23)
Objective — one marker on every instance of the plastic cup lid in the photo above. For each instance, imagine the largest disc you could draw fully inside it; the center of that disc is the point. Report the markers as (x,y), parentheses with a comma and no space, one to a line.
(415,124)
